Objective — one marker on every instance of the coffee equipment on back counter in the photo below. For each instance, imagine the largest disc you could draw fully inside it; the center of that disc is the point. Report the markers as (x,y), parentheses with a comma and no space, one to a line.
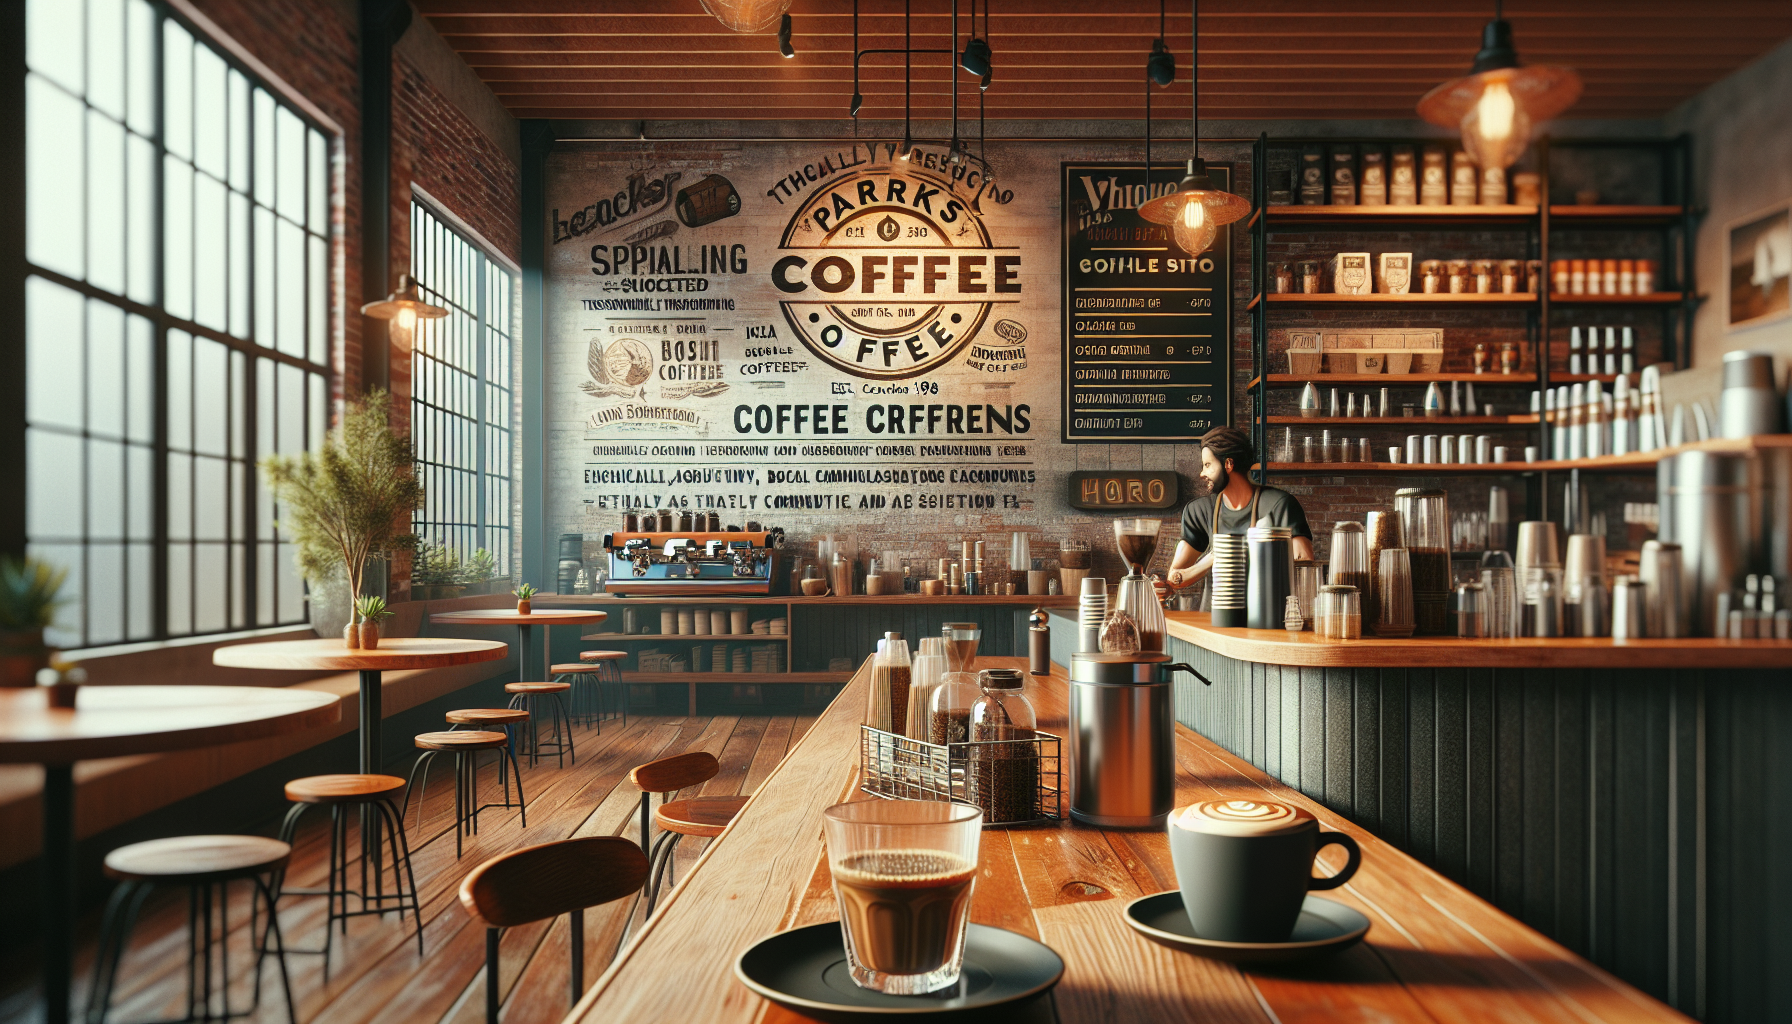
(671,561)
(1123,738)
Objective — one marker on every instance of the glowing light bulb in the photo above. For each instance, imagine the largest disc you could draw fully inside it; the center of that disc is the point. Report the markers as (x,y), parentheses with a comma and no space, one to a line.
(407,318)
(1496,129)
(1193,229)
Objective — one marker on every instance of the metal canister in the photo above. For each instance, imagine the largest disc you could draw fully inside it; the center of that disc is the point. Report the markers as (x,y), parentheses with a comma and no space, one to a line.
(1716,501)
(1665,610)
(707,200)
(1123,739)
(1271,575)
(1629,608)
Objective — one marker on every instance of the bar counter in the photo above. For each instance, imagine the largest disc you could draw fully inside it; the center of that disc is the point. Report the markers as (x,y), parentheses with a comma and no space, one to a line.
(1607,793)
(1434,951)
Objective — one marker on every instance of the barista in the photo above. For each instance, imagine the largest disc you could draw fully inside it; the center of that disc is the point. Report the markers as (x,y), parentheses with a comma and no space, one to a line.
(1234,504)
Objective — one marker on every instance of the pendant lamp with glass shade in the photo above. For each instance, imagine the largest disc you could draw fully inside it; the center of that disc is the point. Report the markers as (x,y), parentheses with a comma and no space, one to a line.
(1498,102)
(405,306)
(1196,210)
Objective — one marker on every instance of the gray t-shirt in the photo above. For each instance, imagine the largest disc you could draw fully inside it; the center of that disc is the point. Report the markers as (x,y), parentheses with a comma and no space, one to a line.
(1278,505)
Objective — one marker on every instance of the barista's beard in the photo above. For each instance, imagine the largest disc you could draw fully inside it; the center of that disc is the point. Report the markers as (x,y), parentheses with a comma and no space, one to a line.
(1219,483)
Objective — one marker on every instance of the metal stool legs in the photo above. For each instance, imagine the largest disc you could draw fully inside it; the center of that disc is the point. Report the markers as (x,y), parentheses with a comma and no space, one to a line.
(587,696)
(562,725)
(121,917)
(466,791)
(336,890)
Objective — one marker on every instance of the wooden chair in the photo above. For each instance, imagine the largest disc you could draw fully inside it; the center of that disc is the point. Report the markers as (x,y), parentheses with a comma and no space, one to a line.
(373,794)
(530,697)
(206,865)
(540,882)
(466,747)
(704,817)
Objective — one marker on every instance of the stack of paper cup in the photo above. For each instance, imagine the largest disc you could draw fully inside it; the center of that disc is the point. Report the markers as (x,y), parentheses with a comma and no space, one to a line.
(1092,611)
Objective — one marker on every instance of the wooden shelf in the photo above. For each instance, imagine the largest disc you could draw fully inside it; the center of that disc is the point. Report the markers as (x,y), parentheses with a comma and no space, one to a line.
(1604,463)
(761,600)
(1392,379)
(744,637)
(1519,420)
(1582,378)
(735,677)
(1599,216)
(1371,216)
(1459,300)
(1651,299)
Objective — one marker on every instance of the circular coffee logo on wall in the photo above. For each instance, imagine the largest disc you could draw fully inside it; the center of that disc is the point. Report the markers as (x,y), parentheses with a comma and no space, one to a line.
(886,274)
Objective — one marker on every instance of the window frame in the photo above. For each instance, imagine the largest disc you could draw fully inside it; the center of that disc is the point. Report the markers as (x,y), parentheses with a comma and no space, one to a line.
(244,517)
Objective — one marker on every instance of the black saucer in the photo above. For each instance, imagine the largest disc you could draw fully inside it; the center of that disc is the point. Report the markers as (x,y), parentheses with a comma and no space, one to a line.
(1323,927)
(805,970)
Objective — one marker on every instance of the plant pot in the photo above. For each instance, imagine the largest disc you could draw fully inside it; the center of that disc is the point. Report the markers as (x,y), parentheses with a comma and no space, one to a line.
(351,636)
(331,605)
(522,608)
(22,654)
(370,636)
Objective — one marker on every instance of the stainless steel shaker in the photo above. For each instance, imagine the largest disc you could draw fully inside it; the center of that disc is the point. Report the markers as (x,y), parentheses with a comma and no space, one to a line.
(1715,500)
(1629,608)
(1123,739)
(1749,404)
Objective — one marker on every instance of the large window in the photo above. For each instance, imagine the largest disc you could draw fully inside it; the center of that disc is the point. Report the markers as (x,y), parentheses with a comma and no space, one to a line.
(177,322)
(461,392)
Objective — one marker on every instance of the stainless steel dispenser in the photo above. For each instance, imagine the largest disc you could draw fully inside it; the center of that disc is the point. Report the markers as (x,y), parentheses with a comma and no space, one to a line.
(1710,506)
(1123,739)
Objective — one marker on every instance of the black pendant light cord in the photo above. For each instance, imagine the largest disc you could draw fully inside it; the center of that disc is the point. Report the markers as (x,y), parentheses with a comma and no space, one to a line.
(908,63)
(1194,79)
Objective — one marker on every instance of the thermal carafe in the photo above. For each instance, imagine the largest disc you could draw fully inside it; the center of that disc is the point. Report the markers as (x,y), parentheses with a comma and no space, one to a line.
(1123,739)
(1715,501)
(1270,579)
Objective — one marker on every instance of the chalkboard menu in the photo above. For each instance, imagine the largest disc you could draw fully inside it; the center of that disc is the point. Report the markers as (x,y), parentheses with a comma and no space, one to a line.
(1147,327)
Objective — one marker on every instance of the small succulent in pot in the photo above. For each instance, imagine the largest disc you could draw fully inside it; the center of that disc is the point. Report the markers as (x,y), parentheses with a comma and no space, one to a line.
(522,595)
(29,591)
(371,609)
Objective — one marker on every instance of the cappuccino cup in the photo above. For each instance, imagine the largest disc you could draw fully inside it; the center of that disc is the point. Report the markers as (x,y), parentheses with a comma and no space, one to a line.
(1246,866)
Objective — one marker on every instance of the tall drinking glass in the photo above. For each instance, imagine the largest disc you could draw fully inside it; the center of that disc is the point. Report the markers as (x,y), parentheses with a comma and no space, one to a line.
(904,871)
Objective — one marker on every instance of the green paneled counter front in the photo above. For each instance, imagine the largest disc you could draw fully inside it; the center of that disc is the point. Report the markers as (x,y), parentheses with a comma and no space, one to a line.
(1631,799)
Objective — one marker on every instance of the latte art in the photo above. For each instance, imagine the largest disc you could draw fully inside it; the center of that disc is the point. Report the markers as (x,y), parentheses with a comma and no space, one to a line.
(1242,817)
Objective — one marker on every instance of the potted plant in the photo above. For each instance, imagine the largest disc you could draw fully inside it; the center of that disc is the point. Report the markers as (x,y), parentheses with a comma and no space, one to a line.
(352,499)
(522,595)
(28,603)
(372,609)
(436,572)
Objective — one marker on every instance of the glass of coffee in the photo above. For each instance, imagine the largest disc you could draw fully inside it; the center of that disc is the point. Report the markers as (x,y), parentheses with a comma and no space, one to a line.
(903,874)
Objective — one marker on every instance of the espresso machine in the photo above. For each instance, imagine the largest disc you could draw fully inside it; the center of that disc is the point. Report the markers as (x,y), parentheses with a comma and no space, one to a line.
(697,563)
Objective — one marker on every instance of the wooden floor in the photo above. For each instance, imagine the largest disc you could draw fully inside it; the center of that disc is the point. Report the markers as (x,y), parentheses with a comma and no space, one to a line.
(375,974)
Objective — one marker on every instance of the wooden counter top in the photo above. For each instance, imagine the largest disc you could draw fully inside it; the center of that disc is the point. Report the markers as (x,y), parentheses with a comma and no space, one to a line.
(1280,647)
(581,600)
(1434,952)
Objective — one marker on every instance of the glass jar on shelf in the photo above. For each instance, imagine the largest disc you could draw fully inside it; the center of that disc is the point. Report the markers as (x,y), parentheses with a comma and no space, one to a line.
(1004,777)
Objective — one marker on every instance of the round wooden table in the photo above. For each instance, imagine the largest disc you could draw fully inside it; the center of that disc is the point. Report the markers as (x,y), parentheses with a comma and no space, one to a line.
(119,721)
(545,618)
(392,653)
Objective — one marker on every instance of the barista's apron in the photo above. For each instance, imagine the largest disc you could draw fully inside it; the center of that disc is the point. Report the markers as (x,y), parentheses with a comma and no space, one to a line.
(1213,527)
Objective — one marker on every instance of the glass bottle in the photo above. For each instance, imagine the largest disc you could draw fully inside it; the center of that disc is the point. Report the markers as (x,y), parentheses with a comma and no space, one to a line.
(949,708)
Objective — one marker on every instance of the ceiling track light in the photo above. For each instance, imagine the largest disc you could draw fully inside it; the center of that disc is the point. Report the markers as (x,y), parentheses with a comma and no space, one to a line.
(784,46)
(1498,102)
(1196,210)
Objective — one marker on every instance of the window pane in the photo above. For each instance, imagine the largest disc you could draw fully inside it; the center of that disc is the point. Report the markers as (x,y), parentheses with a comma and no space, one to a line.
(105,490)
(210,247)
(55,219)
(140,499)
(53,485)
(177,244)
(211,397)
(239,265)
(319,419)
(106,367)
(265,271)
(180,589)
(140,228)
(140,380)
(291,595)
(264,148)
(180,390)
(292,409)
(142,42)
(264,584)
(105,55)
(317,313)
(211,500)
(105,603)
(53,354)
(66,632)
(138,601)
(290,283)
(53,37)
(319,149)
(105,202)
(180,496)
(209,111)
(290,154)
(177,89)
(240,137)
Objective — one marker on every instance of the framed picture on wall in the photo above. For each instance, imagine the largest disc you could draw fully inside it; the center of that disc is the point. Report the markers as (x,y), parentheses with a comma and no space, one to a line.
(1761,267)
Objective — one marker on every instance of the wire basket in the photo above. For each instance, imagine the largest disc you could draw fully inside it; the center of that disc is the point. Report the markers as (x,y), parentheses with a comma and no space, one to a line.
(1014,781)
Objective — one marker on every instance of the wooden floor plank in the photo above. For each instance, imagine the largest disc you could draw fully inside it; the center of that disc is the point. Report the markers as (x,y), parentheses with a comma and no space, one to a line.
(376,974)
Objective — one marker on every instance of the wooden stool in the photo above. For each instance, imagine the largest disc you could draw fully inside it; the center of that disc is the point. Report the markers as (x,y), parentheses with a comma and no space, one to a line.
(373,793)
(700,816)
(539,882)
(202,864)
(509,719)
(611,692)
(465,746)
(528,697)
